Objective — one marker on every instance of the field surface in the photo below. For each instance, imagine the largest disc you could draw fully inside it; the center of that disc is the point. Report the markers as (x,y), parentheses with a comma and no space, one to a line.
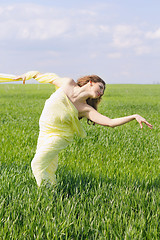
(108,184)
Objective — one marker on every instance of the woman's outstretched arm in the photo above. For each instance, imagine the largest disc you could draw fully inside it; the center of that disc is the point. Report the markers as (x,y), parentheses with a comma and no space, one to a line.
(44,78)
(100,119)
(40,77)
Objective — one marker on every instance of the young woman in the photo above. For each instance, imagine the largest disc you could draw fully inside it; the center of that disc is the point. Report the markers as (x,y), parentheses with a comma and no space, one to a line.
(60,117)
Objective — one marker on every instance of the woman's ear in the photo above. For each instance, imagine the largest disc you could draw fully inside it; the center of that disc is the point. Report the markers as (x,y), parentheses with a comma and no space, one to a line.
(90,83)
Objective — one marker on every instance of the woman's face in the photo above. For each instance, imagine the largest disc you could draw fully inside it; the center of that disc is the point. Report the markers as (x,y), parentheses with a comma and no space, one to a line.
(97,89)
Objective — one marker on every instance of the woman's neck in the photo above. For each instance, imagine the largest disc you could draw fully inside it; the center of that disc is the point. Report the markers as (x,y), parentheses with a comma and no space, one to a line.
(82,93)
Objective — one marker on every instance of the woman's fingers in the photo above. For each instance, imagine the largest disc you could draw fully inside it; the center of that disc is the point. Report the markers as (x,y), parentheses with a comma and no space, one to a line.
(143,120)
(23,78)
(17,78)
(141,125)
(147,123)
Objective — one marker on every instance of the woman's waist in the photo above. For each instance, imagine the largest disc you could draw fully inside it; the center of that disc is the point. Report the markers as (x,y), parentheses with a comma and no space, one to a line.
(55,129)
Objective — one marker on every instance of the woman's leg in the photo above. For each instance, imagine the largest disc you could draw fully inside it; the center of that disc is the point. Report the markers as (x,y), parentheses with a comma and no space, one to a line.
(45,161)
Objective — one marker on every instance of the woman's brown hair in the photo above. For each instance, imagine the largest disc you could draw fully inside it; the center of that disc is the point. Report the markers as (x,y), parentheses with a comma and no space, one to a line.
(91,101)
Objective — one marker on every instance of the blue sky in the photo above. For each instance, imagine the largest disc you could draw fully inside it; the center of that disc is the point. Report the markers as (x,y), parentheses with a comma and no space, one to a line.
(118,40)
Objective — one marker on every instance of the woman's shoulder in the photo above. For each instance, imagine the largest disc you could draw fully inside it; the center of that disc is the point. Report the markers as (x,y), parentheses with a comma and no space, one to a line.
(62,82)
(68,84)
(68,80)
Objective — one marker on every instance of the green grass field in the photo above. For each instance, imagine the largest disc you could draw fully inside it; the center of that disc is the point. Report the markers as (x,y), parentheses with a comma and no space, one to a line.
(108,183)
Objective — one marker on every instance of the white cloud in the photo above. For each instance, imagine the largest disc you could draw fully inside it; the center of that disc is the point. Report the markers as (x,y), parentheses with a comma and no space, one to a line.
(77,37)
(36,23)
(114,55)
(141,50)
(132,38)
(93,55)
(153,35)
(125,36)
(87,12)
(40,29)
(125,73)
(90,29)
(104,28)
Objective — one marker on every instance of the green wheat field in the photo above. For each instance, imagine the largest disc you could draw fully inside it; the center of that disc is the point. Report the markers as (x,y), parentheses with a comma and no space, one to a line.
(108,184)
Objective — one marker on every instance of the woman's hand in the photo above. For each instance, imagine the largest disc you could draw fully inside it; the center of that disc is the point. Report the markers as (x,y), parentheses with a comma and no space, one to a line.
(141,120)
(22,77)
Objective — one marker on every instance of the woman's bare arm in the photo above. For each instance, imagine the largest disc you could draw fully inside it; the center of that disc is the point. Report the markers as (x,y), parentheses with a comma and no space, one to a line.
(100,119)
(44,78)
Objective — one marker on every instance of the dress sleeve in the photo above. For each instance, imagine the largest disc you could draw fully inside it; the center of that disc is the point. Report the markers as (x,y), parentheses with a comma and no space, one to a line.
(7,78)
(46,78)
(12,78)
(41,78)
